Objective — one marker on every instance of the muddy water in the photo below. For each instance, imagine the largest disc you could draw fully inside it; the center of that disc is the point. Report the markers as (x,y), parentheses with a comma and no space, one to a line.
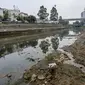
(16,58)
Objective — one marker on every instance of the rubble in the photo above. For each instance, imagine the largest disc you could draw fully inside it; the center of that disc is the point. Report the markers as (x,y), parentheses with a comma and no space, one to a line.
(41,77)
(54,72)
(33,78)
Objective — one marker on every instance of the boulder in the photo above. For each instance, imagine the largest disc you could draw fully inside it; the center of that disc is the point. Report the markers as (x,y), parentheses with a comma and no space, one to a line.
(33,78)
(41,77)
(27,76)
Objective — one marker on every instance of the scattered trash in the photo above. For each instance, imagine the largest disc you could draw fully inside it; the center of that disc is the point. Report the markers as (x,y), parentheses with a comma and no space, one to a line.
(51,65)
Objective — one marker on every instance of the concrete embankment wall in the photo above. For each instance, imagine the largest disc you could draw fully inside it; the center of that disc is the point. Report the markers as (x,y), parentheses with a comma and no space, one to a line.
(39,35)
(29,25)
(27,29)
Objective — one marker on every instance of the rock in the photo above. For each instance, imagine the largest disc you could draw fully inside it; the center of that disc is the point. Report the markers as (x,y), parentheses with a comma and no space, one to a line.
(45,82)
(41,77)
(33,78)
(51,65)
(26,76)
(49,76)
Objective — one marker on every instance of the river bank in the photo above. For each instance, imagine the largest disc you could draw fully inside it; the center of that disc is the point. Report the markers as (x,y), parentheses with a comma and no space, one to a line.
(18,56)
(36,35)
(19,30)
(53,71)
(63,67)
(78,49)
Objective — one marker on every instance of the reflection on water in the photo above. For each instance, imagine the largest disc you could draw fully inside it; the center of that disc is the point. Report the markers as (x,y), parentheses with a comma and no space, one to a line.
(55,43)
(8,49)
(15,58)
(61,35)
(77,30)
(44,46)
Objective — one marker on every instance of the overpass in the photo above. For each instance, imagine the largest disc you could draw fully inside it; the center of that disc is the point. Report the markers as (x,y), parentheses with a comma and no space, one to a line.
(74,19)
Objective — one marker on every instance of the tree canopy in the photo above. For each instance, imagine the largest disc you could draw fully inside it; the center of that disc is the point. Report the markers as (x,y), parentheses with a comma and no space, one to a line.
(54,14)
(5,15)
(43,13)
(31,19)
(63,22)
(20,18)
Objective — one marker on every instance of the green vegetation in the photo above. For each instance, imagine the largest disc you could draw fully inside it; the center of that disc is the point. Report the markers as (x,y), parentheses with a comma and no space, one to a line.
(31,19)
(43,13)
(6,15)
(54,14)
(78,24)
(63,22)
(1,18)
(20,18)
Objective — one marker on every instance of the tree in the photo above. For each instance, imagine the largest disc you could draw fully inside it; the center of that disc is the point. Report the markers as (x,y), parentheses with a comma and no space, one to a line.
(20,18)
(54,14)
(43,13)
(63,22)
(31,19)
(5,15)
(60,18)
(77,24)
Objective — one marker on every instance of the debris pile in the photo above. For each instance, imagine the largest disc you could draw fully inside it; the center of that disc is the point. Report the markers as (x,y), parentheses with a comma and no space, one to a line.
(52,72)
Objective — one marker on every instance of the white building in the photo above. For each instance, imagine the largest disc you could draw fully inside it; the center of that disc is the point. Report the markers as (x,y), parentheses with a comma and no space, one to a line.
(13,13)
(1,12)
(23,14)
(83,14)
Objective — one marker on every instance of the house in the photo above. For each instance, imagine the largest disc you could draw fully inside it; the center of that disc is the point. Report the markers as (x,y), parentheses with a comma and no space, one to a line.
(23,14)
(13,13)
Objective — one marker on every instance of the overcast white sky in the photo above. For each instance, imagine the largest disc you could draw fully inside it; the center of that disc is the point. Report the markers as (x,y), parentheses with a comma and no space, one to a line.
(66,8)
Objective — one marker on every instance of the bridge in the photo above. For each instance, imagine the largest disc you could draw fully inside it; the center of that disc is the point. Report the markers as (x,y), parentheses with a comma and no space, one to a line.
(74,19)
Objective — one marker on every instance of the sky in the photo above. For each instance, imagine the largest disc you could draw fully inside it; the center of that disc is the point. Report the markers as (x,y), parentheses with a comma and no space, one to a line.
(65,8)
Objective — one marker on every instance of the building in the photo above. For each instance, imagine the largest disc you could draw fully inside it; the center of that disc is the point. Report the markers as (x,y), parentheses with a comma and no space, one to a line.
(13,13)
(23,14)
(1,12)
(83,14)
